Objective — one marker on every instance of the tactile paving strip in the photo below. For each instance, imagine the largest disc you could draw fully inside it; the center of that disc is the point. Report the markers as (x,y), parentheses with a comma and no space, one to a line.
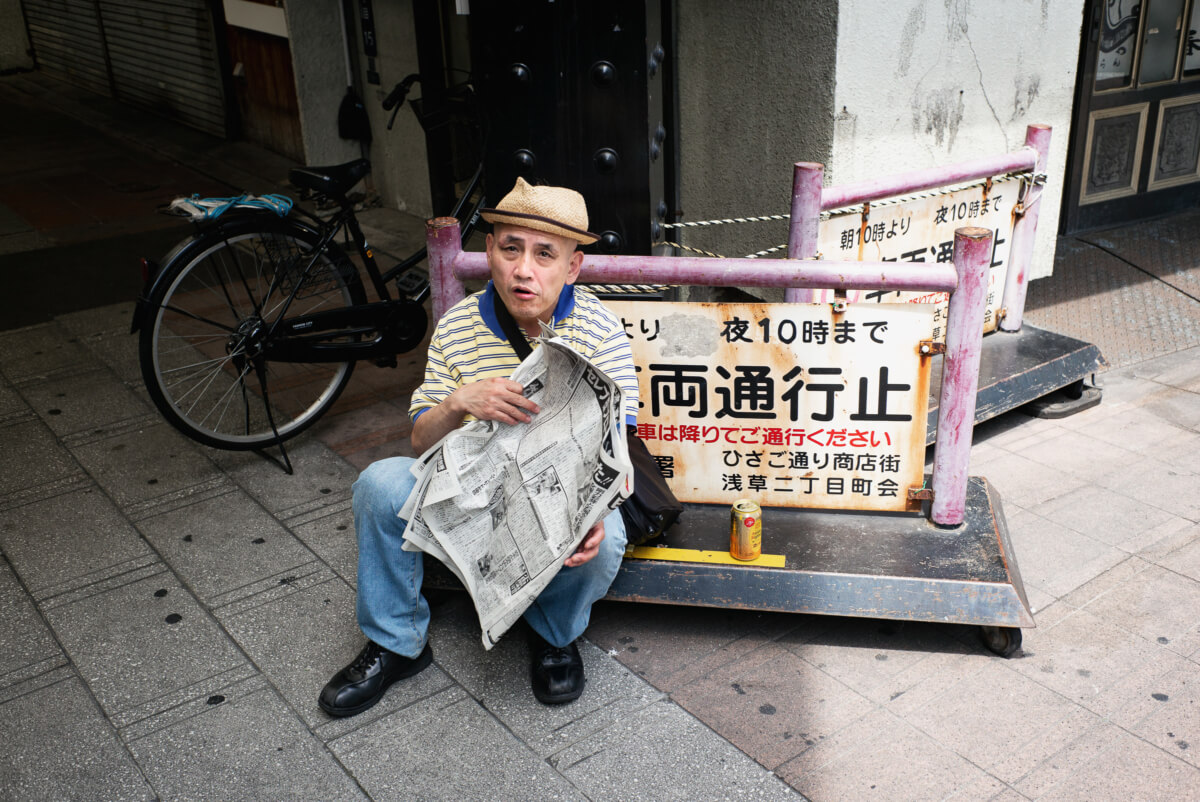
(1168,248)
(1133,302)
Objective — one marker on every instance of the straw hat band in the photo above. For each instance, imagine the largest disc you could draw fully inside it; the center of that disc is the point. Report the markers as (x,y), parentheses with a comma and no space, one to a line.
(497,215)
(554,210)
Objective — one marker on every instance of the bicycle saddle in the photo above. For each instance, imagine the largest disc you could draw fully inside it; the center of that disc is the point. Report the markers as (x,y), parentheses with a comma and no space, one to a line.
(334,181)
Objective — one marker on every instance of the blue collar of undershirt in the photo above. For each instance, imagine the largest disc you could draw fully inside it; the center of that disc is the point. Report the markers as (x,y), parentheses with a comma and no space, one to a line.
(487,308)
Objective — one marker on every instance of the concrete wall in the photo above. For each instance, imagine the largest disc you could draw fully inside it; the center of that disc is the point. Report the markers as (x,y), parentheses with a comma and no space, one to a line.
(401,172)
(868,88)
(319,62)
(756,92)
(923,83)
(14,44)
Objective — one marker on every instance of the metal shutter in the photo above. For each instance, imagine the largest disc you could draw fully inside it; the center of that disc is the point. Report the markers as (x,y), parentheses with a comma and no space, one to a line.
(162,53)
(65,35)
(164,58)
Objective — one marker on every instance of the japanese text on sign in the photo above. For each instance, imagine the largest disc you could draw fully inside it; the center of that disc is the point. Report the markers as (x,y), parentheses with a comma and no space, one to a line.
(792,405)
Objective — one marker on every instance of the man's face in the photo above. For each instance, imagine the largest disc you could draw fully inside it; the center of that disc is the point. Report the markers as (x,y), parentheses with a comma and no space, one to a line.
(529,269)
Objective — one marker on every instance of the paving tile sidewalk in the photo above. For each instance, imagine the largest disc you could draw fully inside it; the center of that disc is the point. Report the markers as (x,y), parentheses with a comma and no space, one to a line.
(169,614)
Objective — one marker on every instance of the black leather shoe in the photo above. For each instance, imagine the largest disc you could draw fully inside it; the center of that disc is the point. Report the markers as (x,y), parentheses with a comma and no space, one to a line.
(361,684)
(557,674)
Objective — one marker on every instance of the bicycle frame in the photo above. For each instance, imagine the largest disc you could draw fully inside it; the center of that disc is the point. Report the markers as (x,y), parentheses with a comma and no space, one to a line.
(399,324)
(422,291)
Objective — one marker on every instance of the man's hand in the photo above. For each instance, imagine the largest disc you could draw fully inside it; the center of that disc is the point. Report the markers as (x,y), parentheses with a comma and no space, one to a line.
(495,399)
(589,547)
(491,399)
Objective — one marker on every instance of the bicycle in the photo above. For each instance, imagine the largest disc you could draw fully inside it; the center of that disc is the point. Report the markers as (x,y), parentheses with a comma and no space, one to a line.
(250,329)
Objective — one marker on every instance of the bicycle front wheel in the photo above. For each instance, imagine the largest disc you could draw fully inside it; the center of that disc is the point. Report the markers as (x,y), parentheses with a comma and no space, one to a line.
(204,347)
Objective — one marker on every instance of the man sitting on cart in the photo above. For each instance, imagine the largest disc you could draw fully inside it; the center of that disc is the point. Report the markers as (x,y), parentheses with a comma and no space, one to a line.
(534,261)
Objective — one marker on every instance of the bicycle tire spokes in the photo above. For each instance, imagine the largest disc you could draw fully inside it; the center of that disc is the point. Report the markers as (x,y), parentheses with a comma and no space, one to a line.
(264,268)
(292,268)
(222,401)
(213,325)
(293,275)
(193,379)
(182,346)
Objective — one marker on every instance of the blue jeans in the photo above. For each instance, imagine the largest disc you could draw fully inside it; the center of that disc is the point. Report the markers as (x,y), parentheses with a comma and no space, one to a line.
(391,610)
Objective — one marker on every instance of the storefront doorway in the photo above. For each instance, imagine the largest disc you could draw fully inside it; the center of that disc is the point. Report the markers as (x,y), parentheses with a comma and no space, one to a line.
(1135,139)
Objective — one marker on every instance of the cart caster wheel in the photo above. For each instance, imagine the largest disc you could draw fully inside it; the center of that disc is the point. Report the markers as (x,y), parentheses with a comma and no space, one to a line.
(1004,641)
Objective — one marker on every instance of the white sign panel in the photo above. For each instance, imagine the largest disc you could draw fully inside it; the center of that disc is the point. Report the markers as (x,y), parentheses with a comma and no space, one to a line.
(792,405)
(922,230)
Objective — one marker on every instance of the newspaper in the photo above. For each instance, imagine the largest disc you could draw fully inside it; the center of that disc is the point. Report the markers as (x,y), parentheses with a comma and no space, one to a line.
(504,505)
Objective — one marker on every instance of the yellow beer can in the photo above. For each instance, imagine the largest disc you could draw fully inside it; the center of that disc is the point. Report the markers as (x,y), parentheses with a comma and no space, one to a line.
(745,530)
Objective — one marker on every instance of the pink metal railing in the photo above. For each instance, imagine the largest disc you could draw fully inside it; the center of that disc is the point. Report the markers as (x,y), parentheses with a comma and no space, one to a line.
(960,375)
(1024,232)
(965,280)
(810,198)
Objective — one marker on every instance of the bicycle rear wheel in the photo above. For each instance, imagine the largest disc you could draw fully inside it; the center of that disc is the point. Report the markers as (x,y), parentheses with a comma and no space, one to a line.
(204,348)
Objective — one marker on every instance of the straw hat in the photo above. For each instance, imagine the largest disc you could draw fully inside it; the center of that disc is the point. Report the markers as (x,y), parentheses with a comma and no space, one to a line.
(555,210)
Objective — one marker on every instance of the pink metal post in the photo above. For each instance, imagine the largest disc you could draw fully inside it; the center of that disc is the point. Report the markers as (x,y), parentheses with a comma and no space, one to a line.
(703,271)
(960,375)
(444,242)
(808,179)
(1037,138)
(918,180)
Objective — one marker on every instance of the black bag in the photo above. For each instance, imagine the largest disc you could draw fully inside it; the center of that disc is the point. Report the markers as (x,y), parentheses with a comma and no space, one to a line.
(652,507)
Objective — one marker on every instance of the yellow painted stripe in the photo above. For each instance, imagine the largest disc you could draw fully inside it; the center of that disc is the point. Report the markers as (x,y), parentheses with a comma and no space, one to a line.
(698,556)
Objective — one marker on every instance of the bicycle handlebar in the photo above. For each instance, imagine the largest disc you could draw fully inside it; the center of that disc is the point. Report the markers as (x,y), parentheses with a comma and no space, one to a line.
(396,97)
(399,92)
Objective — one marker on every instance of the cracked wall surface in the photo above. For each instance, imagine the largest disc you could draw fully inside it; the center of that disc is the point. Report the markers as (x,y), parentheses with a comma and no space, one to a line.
(755,96)
(926,83)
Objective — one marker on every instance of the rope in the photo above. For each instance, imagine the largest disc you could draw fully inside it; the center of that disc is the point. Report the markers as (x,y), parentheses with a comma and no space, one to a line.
(767,252)
(761,219)
(1035,178)
(702,252)
(1039,178)
(688,248)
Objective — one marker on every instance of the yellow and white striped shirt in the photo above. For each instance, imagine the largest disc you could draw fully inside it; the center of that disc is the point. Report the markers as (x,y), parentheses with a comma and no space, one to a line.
(468,345)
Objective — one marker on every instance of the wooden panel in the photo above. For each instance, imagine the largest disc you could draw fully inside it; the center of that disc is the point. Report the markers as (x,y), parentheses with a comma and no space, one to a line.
(1176,156)
(265,88)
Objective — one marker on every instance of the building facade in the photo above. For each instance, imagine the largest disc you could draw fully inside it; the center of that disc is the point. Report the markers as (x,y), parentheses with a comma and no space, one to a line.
(723,97)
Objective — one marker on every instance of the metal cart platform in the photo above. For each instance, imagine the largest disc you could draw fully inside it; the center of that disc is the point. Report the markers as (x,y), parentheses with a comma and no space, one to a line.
(873,565)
